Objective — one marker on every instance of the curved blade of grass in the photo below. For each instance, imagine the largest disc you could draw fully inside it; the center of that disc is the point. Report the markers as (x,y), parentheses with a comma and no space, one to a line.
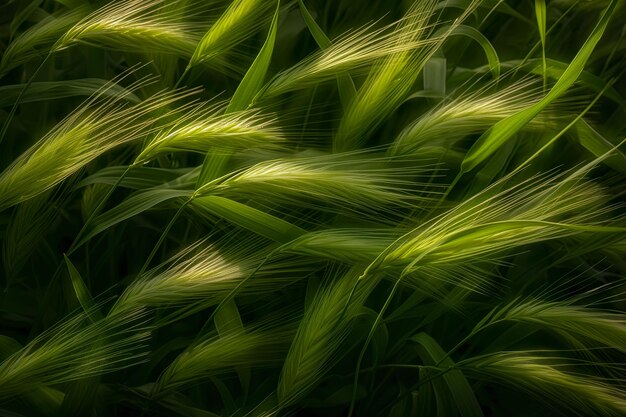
(389,82)
(133,25)
(322,329)
(255,77)
(72,350)
(130,207)
(457,386)
(540,13)
(208,131)
(213,355)
(255,220)
(228,322)
(353,51)
(357,245)
(598,145)
(474,34)
(82,292)
(467,114)
(97,126)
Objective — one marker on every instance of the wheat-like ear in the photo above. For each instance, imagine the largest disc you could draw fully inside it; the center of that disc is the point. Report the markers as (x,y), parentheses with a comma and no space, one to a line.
(27,227)
(76,349)
(36,40)
(215,355)
(205,129)
(322,330)
(134,25)
(94,128)
(565,317)
(205,273)
(354,51)
(202,274)
(353,246)
(352,182)
(468,114)
(543,375)
(484,227)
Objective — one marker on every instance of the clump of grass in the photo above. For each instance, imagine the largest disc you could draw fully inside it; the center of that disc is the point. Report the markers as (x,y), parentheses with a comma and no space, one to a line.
(359,220)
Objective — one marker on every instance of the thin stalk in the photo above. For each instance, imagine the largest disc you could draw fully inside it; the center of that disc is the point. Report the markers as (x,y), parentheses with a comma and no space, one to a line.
(563,131)
(82,231)
(7,122)
(367,341)
(156,247)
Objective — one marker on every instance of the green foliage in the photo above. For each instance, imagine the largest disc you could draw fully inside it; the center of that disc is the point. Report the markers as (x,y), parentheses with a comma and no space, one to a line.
(321,208)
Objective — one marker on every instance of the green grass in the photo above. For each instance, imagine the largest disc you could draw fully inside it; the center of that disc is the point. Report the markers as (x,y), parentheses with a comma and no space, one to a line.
(316,208)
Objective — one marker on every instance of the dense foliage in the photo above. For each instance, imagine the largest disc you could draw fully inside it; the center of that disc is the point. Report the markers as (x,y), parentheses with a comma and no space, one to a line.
(312,207)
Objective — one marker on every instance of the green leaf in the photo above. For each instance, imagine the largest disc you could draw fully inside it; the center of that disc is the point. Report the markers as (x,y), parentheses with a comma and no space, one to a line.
(254,78)
(228,321)
(8,346)
(460,390)
(132,206)
(491,140)
(249,218)
(82,292)
(318,34)
(540,12)
(595,143)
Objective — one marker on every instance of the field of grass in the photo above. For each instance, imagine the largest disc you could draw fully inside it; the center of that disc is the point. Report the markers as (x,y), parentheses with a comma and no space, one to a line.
(312,208)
